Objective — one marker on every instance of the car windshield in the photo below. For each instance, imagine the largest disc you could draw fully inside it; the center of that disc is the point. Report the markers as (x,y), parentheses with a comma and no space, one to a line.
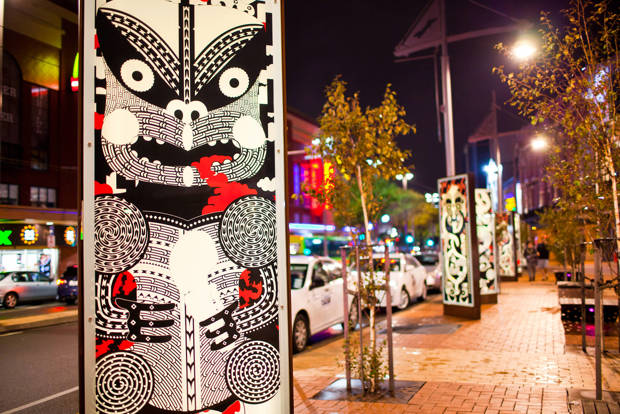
(379,264)
(298,275)
(427,259)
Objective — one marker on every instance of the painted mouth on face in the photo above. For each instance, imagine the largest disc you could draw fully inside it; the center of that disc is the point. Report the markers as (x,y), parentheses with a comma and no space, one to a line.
(161,152)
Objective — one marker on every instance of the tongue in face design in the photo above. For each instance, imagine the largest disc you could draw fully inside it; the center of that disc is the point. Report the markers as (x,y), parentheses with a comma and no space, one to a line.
(171,103)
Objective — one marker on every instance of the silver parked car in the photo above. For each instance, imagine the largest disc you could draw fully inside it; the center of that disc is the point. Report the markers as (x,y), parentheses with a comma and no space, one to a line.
(25,286)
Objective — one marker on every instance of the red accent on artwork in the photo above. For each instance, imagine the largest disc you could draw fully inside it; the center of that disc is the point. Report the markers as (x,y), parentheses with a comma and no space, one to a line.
(249,290)
(96,42)
(277,327)
(98,121)
(204,169)
(265,26)
(102,189)
(125,345)
(126,282)
(103,347)
(225,195)
(225,192)
(233,408)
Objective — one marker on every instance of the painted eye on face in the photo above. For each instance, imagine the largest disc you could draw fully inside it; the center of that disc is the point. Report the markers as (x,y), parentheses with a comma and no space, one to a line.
(137,75)
(234,82)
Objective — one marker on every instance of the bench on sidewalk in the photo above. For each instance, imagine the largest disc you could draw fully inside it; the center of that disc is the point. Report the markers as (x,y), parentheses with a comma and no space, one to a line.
(569,299)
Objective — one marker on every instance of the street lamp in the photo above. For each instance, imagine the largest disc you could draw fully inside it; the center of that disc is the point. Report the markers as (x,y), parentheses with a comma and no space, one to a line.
(539,143)
(524,49)
(404,179)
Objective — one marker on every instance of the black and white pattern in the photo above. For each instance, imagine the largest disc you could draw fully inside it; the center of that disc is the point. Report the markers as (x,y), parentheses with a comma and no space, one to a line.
(248,232)
(186,278)
(124,383)
(485,228)
(455,220)
(121,234)
(253,372)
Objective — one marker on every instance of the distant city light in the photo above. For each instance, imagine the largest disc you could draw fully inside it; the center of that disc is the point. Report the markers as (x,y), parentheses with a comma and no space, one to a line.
(490,168)
(430,243)
(393,232)
(409,239)
(523,49)
(311,227)
(307,252)
(317,241)
(399,177)
(539,143)
(385,218)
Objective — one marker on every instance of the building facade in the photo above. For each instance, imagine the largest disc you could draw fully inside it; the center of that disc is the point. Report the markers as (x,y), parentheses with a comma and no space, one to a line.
(38,136)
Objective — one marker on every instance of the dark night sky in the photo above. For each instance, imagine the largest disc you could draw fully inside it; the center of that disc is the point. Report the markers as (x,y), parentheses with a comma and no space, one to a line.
(357,38)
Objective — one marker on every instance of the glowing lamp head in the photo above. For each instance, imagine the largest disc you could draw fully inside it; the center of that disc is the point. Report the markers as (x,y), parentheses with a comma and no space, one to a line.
(539,143)
(524,50)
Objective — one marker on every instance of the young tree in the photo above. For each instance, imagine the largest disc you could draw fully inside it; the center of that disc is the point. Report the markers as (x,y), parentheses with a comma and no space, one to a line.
(570,89)
(359,143)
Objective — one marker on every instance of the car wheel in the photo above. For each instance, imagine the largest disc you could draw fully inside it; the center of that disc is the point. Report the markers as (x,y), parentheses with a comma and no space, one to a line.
(404,299)
(10,300)
(424,293)
(301,332)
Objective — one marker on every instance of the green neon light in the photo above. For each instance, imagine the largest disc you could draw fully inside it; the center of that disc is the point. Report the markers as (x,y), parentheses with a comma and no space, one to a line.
(76,66)
(4,238)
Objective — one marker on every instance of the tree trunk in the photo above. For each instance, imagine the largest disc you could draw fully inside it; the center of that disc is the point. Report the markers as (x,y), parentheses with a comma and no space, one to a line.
(371,296)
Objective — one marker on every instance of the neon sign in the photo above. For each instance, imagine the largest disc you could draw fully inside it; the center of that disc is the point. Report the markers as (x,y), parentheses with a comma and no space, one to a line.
(4,238)
(29,234)
(70,236)
(75,83)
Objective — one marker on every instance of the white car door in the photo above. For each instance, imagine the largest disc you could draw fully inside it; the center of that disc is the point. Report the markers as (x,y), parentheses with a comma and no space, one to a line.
(320,296)
(336,309)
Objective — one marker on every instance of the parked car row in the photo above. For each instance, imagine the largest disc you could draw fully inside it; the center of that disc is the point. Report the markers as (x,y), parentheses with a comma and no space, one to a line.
(317,291)
(29,286)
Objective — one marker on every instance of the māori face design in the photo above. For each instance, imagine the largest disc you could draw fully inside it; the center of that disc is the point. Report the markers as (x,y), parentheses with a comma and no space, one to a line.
(170,104)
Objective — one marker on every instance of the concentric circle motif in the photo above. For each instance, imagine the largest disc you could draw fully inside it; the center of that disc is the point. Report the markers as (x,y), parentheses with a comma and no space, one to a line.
(253,372)
(124,383)
(248,232)
(121,234)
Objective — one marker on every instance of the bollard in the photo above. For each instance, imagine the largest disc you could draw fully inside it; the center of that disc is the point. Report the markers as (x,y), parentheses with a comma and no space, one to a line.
(345,301)
(388,317)
(583,298)
(597,318)
(359,313)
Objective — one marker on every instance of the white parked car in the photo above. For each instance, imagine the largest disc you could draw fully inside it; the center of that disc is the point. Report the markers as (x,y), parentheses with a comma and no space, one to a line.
(432,265)
(317,297)
(407,279)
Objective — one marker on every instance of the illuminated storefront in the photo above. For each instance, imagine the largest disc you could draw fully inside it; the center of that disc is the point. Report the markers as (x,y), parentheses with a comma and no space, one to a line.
(37,247)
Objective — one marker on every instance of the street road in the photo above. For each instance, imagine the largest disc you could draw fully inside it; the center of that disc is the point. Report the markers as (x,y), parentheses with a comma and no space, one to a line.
(34,309)
(36,364)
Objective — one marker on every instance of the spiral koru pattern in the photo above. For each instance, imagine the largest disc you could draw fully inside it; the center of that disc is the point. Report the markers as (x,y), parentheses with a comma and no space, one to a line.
(253,372)
(124,383)
(248,232)
(121,234)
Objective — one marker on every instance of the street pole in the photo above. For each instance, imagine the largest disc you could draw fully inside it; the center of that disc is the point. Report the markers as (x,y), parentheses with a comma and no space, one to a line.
(498,155)
(597,318)
(447,93)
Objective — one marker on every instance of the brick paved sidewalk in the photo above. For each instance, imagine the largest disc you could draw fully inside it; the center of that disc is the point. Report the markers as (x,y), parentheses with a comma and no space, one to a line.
(514,360)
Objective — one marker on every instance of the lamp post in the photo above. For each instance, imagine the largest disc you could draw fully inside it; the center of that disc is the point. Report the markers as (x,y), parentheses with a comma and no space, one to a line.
(404,179)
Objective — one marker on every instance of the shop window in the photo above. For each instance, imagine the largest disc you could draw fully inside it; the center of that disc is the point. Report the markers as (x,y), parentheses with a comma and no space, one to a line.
(9,194)
(39,114)
(10,144)
(43,197)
